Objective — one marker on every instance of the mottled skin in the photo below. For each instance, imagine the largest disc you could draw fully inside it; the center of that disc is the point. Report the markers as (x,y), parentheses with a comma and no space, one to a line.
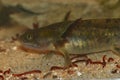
(75,37)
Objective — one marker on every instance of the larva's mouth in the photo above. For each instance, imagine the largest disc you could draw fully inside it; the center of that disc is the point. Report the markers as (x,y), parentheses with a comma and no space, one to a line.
(35,49)
(32,46)
(28,45)
(31,49)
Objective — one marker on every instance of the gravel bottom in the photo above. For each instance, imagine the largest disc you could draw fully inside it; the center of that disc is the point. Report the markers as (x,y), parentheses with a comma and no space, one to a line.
(16,64)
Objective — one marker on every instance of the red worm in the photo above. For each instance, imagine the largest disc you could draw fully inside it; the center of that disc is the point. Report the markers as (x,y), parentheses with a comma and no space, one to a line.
(97,62)
(25,73)
(118,66)
(1,71)
(56,67)
(104,63)
(110,59)
(1,77)
(7,72)
(63,68)
(91,62)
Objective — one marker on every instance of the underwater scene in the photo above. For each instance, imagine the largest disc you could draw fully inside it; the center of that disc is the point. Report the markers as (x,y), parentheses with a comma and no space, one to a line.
(59,39)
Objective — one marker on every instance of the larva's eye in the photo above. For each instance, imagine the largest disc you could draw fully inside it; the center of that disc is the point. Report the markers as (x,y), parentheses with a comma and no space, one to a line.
(29,37)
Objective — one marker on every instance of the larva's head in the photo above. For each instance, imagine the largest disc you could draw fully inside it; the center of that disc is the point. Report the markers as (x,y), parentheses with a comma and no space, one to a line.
(29,38)
(43,36)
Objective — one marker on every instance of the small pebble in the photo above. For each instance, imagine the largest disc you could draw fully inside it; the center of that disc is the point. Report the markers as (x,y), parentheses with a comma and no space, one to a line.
(54,73)
(59,78)
(14,48)
(79,73)
(75,68)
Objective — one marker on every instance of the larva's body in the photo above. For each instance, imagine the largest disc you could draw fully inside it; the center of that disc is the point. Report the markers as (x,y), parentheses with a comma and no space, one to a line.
(93,35)
(75,37)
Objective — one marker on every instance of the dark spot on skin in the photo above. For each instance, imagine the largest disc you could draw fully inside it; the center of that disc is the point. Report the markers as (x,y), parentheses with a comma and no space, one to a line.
(71,28)
(108,20)
(60,43)
(116,21)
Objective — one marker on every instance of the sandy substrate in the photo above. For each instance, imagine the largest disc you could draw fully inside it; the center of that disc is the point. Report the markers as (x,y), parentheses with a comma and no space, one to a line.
(16,64)
(37,66)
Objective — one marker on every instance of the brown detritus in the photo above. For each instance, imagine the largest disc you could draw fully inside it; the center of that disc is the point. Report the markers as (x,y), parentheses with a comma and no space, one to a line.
(1,77)
(15,38)
(110,60)
(114,71)
(25,73)
(36,25)
(17,35)
(2,50)
(116,62)
(70,72)
(55,76)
